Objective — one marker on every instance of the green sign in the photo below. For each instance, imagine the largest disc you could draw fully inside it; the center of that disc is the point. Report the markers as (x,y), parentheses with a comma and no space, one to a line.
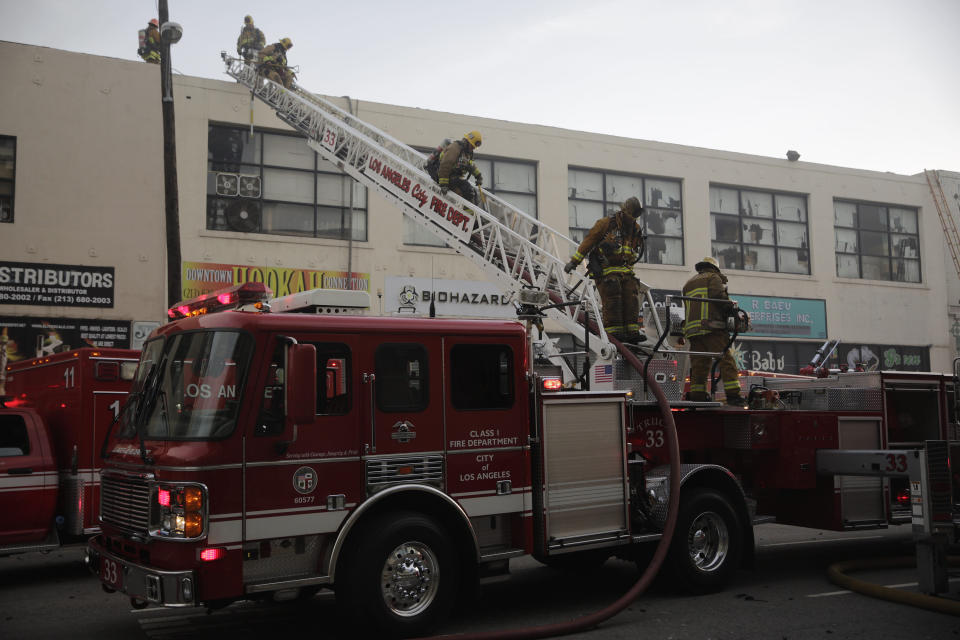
(784,317)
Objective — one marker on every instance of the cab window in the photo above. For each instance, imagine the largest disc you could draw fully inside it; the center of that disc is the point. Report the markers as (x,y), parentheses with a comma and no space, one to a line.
(402,377)
(271,417)
(333,378)
(481,376)
(13,436)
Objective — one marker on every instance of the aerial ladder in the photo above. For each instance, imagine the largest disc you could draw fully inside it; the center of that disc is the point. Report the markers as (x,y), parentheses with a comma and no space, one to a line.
(523,255)
(946,218)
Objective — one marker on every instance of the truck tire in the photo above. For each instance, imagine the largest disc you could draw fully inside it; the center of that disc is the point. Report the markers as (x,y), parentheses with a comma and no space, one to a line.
(707,544)
(401,577)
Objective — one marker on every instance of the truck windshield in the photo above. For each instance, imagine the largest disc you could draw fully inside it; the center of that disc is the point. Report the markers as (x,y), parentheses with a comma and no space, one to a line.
(188,386)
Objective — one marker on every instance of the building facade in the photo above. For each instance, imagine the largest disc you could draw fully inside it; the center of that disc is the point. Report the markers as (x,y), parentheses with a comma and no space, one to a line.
(812,251)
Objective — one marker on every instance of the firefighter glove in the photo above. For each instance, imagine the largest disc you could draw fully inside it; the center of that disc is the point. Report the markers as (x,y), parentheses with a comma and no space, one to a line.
(570,266)
(479,180)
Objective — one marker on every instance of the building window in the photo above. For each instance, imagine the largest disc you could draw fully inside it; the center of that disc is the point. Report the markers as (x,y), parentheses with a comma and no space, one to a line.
(876,241)
(513,181)
(757,230)
(274,183)
(8,165)
(593,194)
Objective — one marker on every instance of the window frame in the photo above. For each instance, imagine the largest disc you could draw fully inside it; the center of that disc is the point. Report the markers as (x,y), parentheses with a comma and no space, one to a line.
(260,168)
(12,181)
(861,231)
(609,207)
(774,218)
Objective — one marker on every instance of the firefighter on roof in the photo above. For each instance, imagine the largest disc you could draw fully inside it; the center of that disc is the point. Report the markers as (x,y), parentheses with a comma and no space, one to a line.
(251,40)
(273,62)
(705,327)
(150,42)
(453,164)
(614,245)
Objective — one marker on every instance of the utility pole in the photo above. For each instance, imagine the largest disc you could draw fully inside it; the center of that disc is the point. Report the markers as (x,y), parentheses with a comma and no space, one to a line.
(172,217)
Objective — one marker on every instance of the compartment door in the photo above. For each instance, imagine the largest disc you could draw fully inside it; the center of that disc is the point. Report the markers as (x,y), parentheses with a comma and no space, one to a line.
(585,473)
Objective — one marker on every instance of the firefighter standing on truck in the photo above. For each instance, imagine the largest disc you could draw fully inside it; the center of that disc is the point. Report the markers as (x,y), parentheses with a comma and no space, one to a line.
(453,164)
(251,40)
(150,43)
(705,327)
(614,245)
(273,62)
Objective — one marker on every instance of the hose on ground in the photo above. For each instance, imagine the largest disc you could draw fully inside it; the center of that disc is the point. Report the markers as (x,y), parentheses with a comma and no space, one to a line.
(838,576)
(591,620)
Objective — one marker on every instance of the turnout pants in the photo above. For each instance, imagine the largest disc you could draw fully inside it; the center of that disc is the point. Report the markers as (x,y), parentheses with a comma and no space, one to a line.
(619,295)
(700,365)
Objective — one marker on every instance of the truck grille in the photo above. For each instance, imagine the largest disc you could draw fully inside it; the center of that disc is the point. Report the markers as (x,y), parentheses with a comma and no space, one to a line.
(422,470)
(125,501)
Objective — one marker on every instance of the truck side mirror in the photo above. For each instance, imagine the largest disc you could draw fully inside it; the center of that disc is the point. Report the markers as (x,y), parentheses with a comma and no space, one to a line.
(301,401)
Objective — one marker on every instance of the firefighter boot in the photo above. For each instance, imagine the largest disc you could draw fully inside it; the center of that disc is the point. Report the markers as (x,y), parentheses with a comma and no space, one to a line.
(698,396)
(634,338)
(736,400)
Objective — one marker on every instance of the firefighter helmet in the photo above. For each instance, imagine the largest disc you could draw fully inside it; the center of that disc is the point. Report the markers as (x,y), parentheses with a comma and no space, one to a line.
(286,43)
(474,138)
(155,23)
(709,261)
(632,207)
(248,20)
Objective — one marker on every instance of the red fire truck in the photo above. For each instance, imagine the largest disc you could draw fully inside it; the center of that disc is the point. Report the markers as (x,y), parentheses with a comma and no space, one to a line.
(52,423)
(399,460)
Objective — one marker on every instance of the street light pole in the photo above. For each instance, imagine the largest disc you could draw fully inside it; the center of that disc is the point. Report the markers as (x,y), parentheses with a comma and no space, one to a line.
(172,216)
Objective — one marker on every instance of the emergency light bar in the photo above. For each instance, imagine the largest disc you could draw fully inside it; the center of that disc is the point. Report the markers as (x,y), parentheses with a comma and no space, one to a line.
(249,293)
(329,301)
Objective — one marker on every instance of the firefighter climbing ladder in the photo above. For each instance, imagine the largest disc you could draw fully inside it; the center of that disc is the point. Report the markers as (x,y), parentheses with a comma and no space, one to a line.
(946,218)
(518,251)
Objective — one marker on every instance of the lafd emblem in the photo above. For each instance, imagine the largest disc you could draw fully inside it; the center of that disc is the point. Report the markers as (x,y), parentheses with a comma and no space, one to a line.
(305,480)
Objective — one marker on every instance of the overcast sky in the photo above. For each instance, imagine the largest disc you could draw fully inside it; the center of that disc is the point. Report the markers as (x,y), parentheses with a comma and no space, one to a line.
(871,84)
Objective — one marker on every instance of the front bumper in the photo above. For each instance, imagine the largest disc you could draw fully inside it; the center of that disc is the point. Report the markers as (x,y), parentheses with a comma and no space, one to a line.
(162,588)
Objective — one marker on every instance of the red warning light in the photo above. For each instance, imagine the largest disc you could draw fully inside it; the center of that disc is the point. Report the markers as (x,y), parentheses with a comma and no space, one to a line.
(211,554)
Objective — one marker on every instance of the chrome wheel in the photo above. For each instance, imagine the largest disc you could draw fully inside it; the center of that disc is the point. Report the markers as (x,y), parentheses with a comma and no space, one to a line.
(410,579)
(708,541)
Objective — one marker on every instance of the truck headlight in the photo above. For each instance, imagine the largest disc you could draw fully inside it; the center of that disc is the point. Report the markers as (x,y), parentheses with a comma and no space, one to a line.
(180,510)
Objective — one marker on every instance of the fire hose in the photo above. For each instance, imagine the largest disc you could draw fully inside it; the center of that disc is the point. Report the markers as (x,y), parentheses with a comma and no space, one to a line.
(591,620)
(838,575)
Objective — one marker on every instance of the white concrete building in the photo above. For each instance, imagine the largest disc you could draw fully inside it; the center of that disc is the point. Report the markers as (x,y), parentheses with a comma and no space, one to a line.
(814,251)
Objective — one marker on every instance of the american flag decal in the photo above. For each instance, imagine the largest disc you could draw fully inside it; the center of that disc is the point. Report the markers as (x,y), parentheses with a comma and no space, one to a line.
(604,373)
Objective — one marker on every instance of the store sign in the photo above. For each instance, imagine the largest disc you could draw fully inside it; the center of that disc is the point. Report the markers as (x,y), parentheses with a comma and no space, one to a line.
(457,298)
(785,317)
(60,285)
(771,317)
(773,357)
(38,337)
(199,278)
(886,357)
(791,356)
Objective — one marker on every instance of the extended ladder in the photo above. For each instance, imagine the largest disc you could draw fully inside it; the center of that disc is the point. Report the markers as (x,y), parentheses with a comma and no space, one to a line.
(946,218)
(518,251)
